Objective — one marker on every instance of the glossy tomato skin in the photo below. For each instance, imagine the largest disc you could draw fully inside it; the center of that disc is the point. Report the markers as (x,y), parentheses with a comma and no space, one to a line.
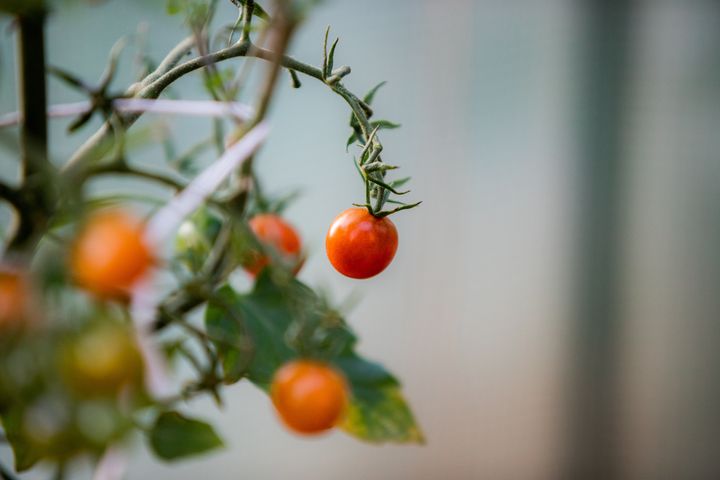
(110,254)
(360,245)
(274,232)
(309,396)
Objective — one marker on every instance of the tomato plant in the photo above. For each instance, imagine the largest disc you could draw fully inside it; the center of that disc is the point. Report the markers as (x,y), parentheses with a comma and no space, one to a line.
(102,362)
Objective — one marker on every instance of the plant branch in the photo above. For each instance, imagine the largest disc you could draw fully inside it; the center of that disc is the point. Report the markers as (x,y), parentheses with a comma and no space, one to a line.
(160,81)
(97,144)
(247,13)
(155,88)
(171,60)
(10,195)
(122,168)
(292,64)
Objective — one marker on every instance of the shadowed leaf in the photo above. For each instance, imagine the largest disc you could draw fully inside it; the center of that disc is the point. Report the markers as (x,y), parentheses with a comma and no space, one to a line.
(174,436)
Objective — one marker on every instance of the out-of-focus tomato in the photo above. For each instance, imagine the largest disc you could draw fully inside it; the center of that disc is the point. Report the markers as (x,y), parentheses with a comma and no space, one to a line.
(275,233)
(309,396)
(110,254)
(14,300)
(102,360)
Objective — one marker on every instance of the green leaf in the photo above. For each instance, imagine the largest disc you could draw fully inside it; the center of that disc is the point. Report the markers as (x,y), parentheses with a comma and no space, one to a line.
(224,321)
(351,139)
(294,79)
(384,185)
(402,207)
(26,454)
(368,98)
(325,53)
(244,246)
(378,411)
(385,124)
(331,58)
(379,167)
(286,320)
(267,317)
(112,63)
(174,436)
(400,182)
(258,11)
(69,78)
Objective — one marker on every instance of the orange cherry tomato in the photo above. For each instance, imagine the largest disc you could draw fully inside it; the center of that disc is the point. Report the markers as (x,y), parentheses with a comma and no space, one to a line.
(110,254)
(309,396)
(274,232)
(14,300)
(360,245)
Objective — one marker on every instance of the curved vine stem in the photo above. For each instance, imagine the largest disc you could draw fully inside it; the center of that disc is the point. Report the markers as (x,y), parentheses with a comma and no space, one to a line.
(172,69)
(153,88)
(122,168)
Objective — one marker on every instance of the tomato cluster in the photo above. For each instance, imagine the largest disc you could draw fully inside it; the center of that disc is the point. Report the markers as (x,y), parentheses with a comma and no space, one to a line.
(358,244)
(309,396)
(109,254)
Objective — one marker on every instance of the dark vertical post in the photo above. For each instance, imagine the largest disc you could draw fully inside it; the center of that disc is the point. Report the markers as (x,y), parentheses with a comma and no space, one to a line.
(593,430)
(33,129)
(32,93)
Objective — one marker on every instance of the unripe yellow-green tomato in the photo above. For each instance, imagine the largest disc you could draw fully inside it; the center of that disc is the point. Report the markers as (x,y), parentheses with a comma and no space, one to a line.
(102,360)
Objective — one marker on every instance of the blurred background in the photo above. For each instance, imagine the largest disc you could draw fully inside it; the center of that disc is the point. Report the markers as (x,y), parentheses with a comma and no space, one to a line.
(553,310)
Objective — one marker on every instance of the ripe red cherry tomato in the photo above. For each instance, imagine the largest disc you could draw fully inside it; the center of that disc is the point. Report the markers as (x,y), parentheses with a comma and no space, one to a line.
(274,232)
(360,245)
(309,396)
